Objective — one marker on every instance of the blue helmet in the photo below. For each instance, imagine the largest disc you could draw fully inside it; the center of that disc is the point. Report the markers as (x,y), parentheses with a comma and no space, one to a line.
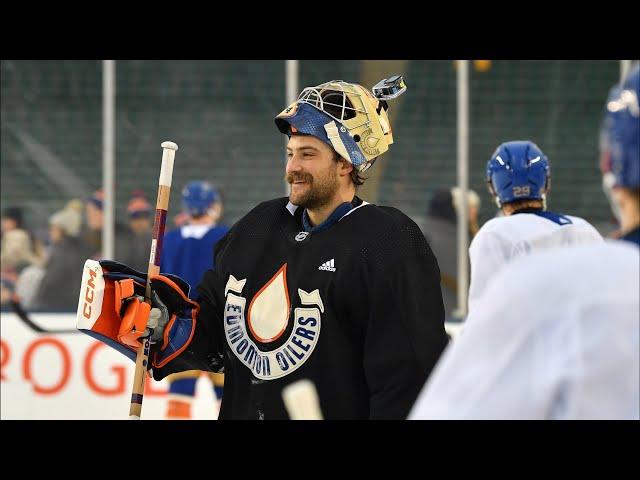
(197,197)
(623,132)
(518,170)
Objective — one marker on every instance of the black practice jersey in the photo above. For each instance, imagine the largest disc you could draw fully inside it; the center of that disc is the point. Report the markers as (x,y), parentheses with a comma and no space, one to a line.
(356,308)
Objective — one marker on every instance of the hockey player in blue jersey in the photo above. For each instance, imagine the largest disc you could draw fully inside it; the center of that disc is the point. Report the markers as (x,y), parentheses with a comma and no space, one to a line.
(622,132)
(556,334)
(188,253)
(518,176)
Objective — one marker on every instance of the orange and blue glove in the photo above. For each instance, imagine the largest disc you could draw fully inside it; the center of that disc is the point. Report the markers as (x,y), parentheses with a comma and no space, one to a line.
(112,309)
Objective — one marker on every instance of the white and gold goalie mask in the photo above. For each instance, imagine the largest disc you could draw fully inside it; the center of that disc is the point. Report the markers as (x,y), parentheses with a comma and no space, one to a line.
(347,116)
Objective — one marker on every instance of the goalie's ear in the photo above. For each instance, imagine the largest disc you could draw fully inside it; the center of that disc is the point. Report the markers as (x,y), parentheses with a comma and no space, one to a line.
(98,315)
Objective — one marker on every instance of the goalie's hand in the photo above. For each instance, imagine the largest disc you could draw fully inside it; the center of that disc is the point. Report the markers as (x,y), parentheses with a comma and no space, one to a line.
(134,313)
(170,324)
(113,310)
(158,319)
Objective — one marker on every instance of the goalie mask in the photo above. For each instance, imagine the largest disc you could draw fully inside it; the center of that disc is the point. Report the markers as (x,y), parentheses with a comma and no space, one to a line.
(346,116)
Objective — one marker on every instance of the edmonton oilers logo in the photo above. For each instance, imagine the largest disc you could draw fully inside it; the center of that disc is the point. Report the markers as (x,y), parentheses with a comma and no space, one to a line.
(267,319)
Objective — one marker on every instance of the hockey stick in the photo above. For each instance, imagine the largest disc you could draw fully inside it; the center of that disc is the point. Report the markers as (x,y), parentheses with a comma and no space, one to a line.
(301,400)
(24,316)
(162,205)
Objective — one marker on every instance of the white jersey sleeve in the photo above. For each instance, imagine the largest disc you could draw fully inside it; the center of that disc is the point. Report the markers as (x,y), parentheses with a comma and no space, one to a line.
(502,240)
(556,337)
(584,232)
(488,253)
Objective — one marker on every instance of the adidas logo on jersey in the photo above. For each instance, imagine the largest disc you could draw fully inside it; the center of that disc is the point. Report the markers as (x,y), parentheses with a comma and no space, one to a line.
(328,266)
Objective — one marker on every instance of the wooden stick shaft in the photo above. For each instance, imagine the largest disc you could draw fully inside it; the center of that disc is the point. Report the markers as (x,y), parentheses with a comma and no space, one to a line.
(162,205)
(301,400)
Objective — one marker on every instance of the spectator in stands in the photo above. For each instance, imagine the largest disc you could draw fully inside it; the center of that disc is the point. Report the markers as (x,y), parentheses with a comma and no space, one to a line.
(19,246)
(440,230)
(473,201)
(58,289)
(20,250)
(139,211)
(92,235)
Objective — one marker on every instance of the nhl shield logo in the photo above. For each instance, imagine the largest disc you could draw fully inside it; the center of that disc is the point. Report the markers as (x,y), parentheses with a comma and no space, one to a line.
(267,319)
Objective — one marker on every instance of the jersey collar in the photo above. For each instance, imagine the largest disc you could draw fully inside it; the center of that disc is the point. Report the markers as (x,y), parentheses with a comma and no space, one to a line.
(340,211)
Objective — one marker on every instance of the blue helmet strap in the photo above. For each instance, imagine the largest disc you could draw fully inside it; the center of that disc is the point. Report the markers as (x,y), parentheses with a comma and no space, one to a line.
(493,193)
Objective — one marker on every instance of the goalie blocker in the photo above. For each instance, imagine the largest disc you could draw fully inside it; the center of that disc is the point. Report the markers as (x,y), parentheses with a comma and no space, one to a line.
(111,308)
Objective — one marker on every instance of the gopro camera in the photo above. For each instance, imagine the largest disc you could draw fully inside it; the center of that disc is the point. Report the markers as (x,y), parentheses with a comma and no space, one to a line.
(389,88)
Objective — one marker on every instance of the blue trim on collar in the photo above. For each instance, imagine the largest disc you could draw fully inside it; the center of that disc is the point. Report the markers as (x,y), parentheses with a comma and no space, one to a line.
(633,236)
(337,214)
(554,217)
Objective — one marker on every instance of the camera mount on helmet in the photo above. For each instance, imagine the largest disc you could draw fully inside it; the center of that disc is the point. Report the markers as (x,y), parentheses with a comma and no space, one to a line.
(389,88)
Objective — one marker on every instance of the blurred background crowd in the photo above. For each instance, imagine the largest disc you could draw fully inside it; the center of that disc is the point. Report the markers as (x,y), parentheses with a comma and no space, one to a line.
(221,114)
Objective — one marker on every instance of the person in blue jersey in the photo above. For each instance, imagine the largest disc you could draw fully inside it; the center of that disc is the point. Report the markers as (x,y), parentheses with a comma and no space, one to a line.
(518,177)
(622,132)
(188,253)
(555,336)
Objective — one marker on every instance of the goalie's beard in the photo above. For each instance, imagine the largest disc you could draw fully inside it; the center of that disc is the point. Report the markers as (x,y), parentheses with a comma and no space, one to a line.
(320,191)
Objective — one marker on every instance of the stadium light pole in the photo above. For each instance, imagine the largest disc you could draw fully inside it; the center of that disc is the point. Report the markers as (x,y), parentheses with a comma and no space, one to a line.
(463,184)
(108,156)
(291,90)
(624,68)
